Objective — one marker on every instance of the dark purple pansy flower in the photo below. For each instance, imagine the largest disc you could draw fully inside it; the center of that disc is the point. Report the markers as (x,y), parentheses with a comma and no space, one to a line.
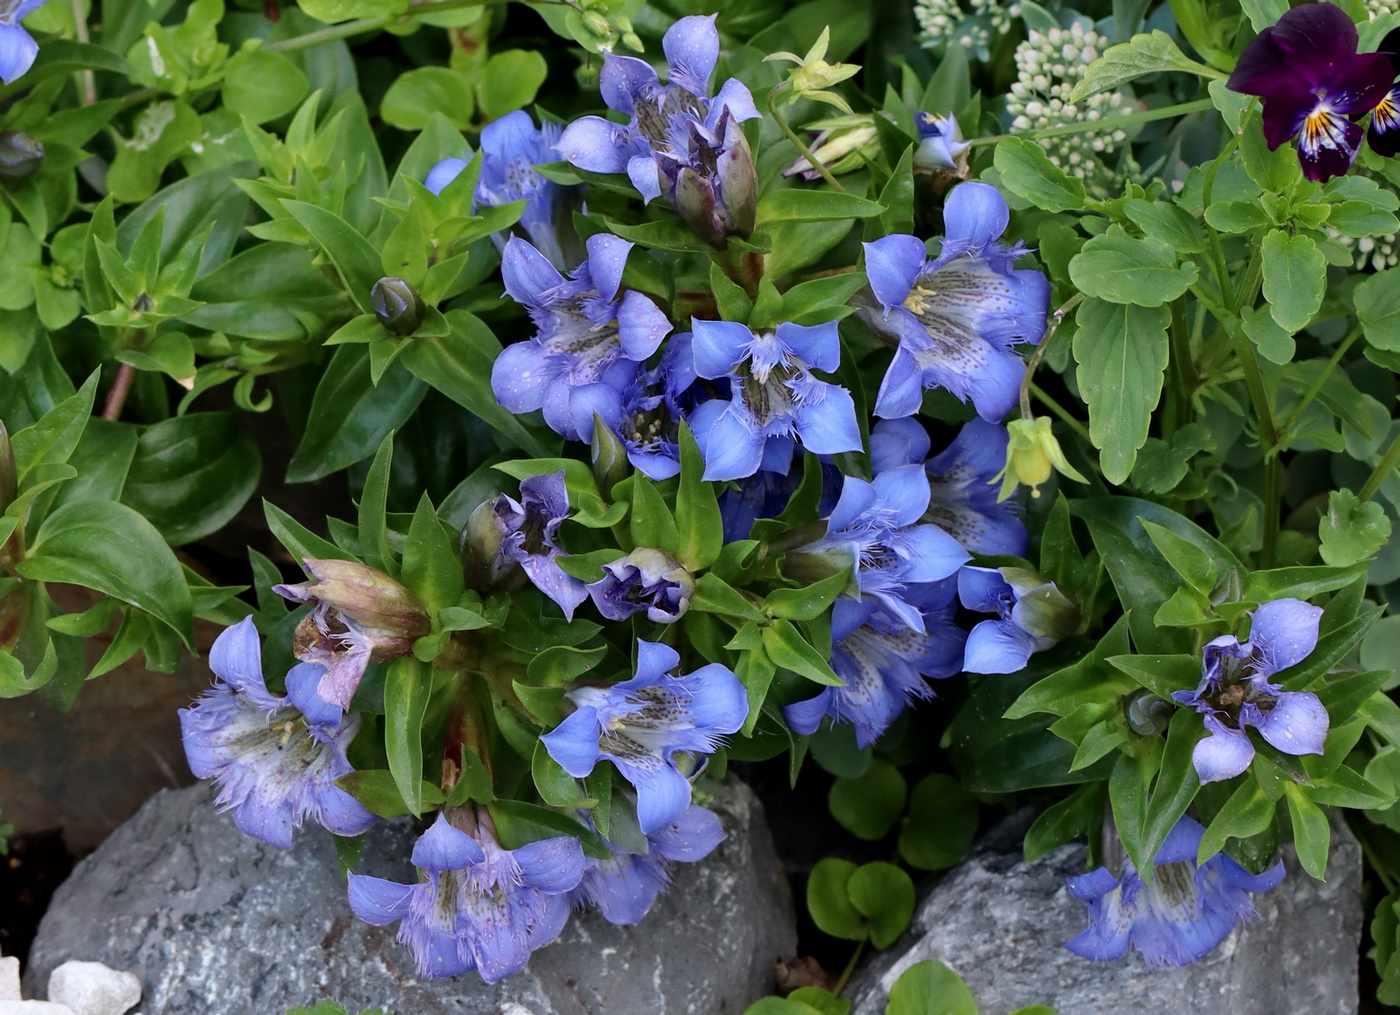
(1384,135)
(1313,83)
(1235,691)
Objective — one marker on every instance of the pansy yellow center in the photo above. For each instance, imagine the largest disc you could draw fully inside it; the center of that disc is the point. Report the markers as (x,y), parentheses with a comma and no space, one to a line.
(1322,128)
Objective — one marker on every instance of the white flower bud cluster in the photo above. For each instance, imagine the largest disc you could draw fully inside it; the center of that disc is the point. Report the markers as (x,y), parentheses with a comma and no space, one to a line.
(1375,252)
(1380,8)
(973,24)
(1049,65)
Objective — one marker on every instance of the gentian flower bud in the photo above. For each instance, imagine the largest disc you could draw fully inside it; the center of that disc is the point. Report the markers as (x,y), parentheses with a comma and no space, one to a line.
(1031,453)
(483,560)
(362,616)
(1147,714)
(646,579)
(1033,612)
(20,154)
(397,305)
(9,486)
(717,192)
(610,462)
(941,147)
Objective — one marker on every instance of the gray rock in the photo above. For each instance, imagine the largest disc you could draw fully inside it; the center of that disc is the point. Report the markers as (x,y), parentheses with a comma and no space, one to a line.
(1001,924)
(216,923)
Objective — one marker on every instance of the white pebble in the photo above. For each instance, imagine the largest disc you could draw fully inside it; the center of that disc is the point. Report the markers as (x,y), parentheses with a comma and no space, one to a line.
(9,979)
(91,988)
(34,1008)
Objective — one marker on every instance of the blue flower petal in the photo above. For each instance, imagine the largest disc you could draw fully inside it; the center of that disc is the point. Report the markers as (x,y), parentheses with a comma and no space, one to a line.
(574,742)
(857,497)
(654,660)
(719,703)
(902,391)
(903,492)
(1224,754)
(622,80)
(302,682)
(733,450)
(340,813)
(379,902)
(975,214)
(645,176)
(663,794)
(444,847)
(236,658)
(265,816)
(691,46)
(898,442)
(996,646)
(718,346)
(735,98)
(805,717)
(500,939)
(1283,633)
(691,837)
(547,576)
(551,865)
(593,144)
(818,346)
(1297,724)
(928,554)
(17,52)
(983,589)
(641,326)
(527,274)
(829,427)
(893,264)
(607,260)
(444,173)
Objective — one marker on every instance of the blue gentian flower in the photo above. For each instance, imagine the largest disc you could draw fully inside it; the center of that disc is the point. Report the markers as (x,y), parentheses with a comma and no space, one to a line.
(1384,132)
(640,724)
(883,662)
(1235,691)
(511,147)
(644,410)
(528,527)
(1314,84)
(1033,612)
(876,528)
(480,906)
(1181,916)
(624,887)
(766,493)
(962,498)
(585,326)
(361,616)
(957,316)
(275,760)
(646,579)
(941,146)
(668,125)
(17,47)
(775,397)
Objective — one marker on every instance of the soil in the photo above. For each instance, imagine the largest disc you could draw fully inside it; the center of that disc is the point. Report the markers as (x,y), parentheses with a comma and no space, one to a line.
(37,864)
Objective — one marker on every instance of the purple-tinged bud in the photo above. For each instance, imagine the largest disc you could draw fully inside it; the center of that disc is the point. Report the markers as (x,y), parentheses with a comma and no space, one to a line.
(646,579)
(738,181)
(20,154)
(941,146)
(1041,609)
(9,485)
(1147,714)
(397,305)
(610,462)
(361,616)
(717,193)
(485,562)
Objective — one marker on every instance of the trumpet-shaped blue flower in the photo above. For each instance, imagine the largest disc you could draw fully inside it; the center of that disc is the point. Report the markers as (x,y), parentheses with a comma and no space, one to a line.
(962,498)
(528,527)
(645,409)
(511,147)
(957,316)
(585,326)
(766,493)
(640,725)
(667,124)
(941,144)
(1181,916)
(876,528)
(275,760)
(480,906)
(624,887)
(774,396)
(884,662)
(1235,691)
(17,47)
(1033,612)
(646,579)
(1314,85)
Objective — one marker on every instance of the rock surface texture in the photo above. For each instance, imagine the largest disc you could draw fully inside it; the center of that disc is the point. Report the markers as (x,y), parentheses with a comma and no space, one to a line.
(90,988)
(215,923)
(1001,924)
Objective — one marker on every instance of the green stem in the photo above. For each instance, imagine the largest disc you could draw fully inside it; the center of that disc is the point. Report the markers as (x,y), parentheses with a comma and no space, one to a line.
(1321,381)
(1059,410)
(1107,123)
(792,136)
(1039,354)
(1183,361)
(1217,249)
(328,34)
(1273,506)
(850,969)
(1383,471)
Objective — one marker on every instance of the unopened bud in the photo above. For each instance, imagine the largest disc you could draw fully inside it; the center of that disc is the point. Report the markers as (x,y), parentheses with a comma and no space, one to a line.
(1147,714)
(738,183)
(9,485)
(941,147)
(20,154)
(597,24)
(366,597)
(1041,608)
(483,563)
(610,463)
(397,305)
(1032,453)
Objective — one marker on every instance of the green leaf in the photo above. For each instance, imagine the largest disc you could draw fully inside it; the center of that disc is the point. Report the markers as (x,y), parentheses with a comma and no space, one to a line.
(431,568)
(809,602)
(799,205)
(1248,812)
(407,687)
(1311,834)
(1274,342)
(419,94)
(1028,172)
(1143,54)
(474,782)
(509,81)
(1161,674)
(1186,558)
(1377,300)
(652,521)
(559,665)
(1168,222)
(333,11)
(714,595)
(1120,269)
(374,539)
(264,86)
(459,365)
(1352,530)
(107,546)
(353,256)
(1064,821)
(942,823)
(868,806)
(350,416)
(884,895)
(1176,785)
(300,541)
(556,787)
(828,901)
(52,440)
(519,823)
(1122,354)
(1264,13)
(786,647)
(1295,276)
(930,988)
(701,529)
(192,474)
(377,790)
